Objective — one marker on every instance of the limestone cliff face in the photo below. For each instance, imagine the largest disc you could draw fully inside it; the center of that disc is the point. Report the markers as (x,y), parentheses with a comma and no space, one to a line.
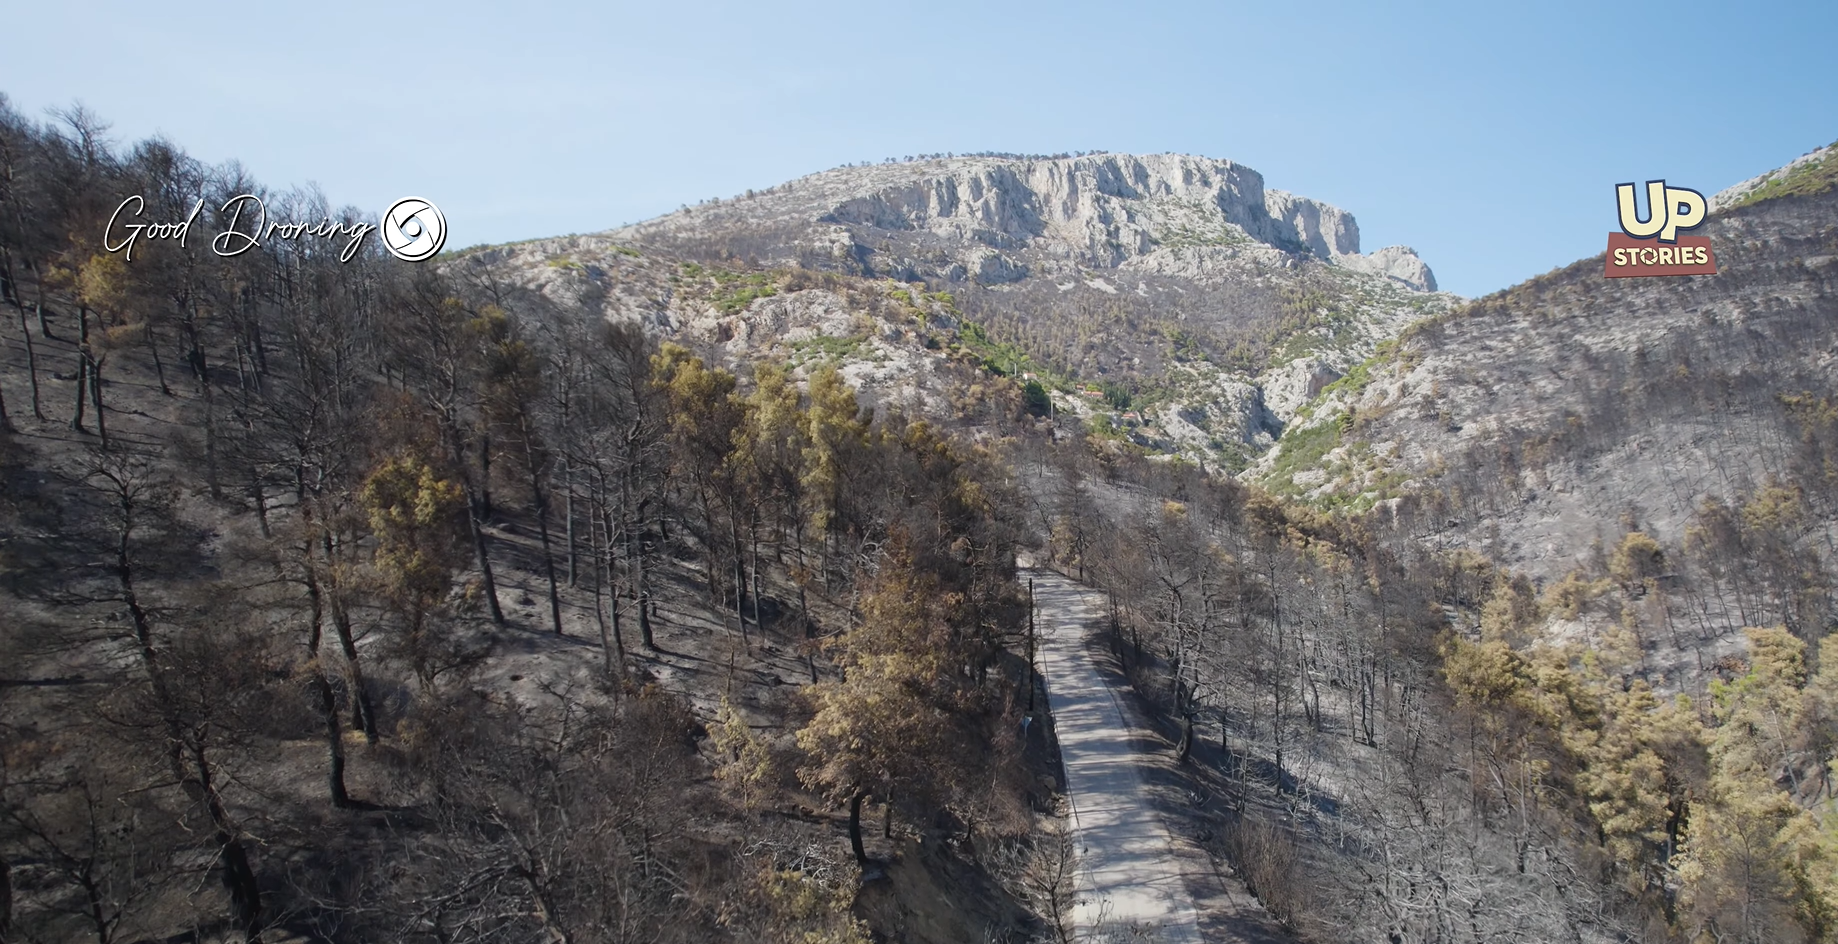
(1329,232)
(997,220)
(1103,210)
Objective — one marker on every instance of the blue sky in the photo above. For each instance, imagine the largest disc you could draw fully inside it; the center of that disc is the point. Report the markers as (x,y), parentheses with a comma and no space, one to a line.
(1488,136)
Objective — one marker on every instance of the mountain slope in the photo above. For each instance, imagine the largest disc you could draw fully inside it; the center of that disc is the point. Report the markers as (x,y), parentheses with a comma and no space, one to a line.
(1813,172)
(1562,405)
(1170,302)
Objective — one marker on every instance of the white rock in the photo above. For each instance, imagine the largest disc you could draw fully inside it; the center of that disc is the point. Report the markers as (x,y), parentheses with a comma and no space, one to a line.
(1394,262)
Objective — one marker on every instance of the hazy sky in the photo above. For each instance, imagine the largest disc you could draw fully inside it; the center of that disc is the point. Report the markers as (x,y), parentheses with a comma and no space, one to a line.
(1488,136)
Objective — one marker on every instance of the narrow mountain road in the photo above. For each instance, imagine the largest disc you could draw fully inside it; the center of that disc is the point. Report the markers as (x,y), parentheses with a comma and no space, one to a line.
(1130,872)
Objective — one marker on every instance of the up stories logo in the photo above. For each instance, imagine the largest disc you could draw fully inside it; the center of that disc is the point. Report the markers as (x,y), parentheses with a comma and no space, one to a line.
(1653,246)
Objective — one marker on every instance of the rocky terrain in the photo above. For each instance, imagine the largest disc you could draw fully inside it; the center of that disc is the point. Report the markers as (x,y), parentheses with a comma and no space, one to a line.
(1171,302)
(1808,173)
(1570,404)
(998,220)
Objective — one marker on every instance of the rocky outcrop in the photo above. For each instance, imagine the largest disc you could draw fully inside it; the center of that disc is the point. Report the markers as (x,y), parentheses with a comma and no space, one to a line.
(1395,262)
(1288,388)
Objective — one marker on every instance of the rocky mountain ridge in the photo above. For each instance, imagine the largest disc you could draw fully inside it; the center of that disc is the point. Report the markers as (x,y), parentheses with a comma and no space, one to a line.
(1174,303)
(999,220)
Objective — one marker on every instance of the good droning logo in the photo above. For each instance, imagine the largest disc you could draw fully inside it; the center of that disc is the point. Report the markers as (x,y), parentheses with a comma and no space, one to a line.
(413,229)
(1653,246)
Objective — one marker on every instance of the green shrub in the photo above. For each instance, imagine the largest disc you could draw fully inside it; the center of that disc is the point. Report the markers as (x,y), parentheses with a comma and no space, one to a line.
(827,346)
(1034,397)
(737,301)
(1303,449)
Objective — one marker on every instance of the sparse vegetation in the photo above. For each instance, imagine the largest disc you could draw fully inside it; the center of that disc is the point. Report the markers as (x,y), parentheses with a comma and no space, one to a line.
(351,601)
(1302,449)
(825,346)
(736,292)
(1813,177)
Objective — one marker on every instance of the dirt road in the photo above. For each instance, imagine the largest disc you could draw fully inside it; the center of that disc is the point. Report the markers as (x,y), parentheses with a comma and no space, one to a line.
(1131,875)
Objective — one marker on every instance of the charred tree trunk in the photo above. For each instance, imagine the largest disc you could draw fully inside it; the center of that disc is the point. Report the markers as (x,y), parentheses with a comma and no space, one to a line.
(159,366)
(641,587)
(258,349)
(328,703)
(1276,690)
(6,901)
(232,855)
(82,404)
(38,303)
(711,552)
(755,575)
(334,739)
(484,504)
(541,501)
(740,579)
(855,829)
(194,352)
(478,509)
(95,389)
(210,443)
(612,643)
(258,493)
(25,331)
(143,632)
(568,513)
(363,711)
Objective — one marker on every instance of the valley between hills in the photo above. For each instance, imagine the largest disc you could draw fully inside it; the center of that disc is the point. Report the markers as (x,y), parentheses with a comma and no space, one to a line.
(974,548)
